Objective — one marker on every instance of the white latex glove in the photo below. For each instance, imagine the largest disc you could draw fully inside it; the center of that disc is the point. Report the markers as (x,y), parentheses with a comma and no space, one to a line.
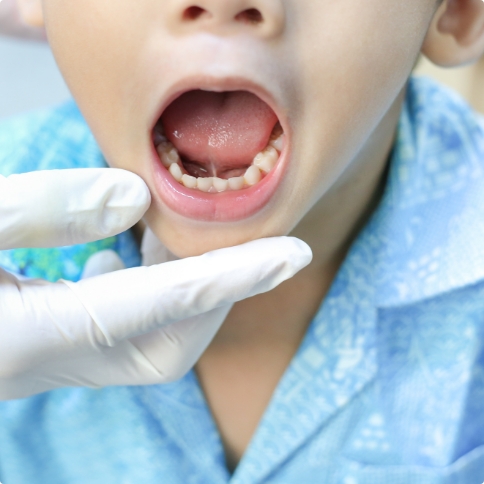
(95,333)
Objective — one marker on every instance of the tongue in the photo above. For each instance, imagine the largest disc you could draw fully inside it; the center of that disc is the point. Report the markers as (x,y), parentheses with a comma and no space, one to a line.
(219,130)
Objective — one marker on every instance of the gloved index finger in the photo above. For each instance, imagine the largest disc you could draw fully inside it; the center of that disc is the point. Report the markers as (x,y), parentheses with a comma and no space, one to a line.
(136,301)
(64,207)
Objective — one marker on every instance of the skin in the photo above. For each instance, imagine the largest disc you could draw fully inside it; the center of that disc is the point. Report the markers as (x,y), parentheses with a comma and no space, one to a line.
(337,70)
(21,23)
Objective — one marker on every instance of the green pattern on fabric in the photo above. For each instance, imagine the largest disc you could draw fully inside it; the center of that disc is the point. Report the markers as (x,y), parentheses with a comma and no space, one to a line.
(57,263)
(56,138)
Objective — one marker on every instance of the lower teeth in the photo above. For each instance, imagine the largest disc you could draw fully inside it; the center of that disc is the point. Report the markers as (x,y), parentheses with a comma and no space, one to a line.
(262,164)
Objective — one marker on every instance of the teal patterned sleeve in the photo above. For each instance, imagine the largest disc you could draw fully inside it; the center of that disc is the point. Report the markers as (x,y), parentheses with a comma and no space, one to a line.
(55,138)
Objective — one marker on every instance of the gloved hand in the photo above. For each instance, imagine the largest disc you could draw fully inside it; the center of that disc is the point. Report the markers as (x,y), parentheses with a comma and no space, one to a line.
(136,326)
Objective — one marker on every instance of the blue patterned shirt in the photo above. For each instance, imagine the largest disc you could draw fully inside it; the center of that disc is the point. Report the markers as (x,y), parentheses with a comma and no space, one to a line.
(388,383)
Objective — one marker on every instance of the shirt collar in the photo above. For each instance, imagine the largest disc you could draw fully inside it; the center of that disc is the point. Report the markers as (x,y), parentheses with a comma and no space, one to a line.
(430,223)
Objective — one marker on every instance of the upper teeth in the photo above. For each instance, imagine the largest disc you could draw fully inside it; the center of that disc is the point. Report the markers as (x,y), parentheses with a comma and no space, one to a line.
(262,164)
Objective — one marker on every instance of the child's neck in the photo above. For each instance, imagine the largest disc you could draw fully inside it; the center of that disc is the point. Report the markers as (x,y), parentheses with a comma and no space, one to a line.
(242,366)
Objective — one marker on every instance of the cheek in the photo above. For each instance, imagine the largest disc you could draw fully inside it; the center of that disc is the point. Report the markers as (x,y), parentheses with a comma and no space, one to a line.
(354,67)
(352,62)
(97,59)
(360,55)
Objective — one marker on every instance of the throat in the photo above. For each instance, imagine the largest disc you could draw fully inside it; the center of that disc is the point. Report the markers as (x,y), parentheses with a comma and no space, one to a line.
(243,365)
(238,384)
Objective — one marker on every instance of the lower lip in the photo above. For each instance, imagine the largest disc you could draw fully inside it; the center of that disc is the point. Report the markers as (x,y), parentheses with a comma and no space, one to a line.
(228,206)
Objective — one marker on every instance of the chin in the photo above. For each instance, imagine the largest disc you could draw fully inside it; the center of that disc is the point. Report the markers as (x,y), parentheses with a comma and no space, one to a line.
(187,238)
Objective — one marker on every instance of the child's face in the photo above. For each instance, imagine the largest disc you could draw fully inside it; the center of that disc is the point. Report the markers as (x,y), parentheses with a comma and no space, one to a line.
(330,71)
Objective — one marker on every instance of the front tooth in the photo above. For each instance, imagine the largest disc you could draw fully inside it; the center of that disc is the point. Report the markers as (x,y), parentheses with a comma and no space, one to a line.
(175,171)
(265,160)
(236,182)
(204,184)
(277,143)
(252,175)
(220,184)
(189,181)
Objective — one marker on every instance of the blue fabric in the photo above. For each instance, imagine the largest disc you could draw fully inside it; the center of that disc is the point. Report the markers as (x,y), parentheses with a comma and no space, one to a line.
(47,140)
(387,386)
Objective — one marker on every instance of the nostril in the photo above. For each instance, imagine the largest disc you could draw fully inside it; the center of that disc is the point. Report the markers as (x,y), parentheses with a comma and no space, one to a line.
(193,13)
(250,16)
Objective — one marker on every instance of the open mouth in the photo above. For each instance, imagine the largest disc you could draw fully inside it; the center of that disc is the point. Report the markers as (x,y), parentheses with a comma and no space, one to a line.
(219,148)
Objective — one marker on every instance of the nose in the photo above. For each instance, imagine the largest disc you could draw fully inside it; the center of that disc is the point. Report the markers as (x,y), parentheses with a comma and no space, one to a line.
(264,18)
